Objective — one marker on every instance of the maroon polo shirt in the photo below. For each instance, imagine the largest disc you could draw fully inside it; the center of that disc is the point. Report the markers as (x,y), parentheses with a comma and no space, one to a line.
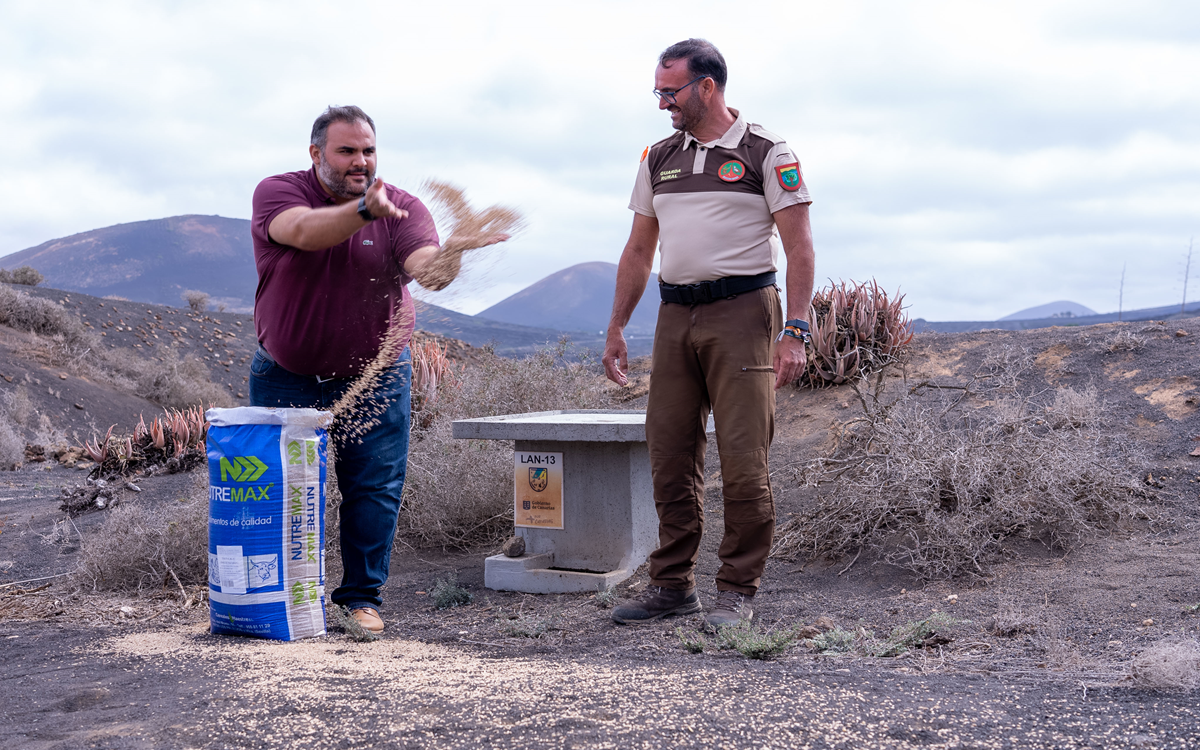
(325,312)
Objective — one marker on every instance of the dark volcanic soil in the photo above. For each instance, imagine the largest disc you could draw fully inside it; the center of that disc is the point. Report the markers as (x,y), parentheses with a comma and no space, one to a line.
(79,672)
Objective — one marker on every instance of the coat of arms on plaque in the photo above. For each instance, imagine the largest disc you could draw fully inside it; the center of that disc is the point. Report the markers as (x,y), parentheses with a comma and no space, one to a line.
(539,479)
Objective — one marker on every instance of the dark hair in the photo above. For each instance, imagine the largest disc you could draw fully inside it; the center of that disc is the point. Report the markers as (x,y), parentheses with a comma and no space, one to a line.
(703,59)
(334,114)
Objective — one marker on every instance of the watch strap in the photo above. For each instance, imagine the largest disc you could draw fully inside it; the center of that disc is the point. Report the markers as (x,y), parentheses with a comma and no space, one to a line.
(797,323)
(363,211)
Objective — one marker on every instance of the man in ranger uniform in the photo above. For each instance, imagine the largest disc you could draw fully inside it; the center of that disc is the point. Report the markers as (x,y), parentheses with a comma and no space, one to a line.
(713,193)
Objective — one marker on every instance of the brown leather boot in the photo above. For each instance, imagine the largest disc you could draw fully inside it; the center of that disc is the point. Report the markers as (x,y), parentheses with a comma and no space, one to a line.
(730,608)
(656,604)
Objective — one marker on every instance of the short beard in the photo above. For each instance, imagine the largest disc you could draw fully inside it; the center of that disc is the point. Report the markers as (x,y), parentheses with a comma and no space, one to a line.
(338,184)
(692,111)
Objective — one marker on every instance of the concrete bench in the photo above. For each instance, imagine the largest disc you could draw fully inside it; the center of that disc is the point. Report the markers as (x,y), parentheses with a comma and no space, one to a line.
(609,525)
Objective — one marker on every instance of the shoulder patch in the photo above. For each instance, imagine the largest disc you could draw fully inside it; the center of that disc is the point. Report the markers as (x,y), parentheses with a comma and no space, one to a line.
(789,176)
(645,151)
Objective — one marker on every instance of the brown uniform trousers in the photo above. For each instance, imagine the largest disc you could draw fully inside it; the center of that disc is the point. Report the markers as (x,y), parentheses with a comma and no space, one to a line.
(717,357)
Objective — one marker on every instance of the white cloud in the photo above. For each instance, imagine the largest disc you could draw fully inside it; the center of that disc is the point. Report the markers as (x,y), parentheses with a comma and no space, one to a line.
(982,157)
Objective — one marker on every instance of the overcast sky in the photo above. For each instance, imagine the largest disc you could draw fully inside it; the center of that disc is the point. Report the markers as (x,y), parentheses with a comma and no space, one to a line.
(980,157)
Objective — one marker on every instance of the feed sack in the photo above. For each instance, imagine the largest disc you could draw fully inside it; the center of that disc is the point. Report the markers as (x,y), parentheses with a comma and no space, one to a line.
(266,521)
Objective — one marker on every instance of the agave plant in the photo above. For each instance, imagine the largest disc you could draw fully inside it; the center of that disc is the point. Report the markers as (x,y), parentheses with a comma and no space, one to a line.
(855,329)
(430,367)
(96,450)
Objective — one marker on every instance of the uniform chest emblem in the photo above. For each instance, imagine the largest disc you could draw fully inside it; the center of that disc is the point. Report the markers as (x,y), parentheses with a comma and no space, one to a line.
(732,171)
(368,242)
(789,176)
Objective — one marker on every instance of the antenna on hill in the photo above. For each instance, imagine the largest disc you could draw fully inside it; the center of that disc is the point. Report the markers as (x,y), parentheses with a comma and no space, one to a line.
(1121,292)
(1187,267)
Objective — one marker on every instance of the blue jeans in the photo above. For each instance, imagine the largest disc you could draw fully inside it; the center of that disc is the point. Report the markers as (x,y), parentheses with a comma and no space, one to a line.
(370,468)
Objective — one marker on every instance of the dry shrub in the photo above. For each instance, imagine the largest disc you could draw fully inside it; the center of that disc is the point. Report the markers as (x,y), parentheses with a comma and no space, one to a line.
(936,488)
(1123,341)
(855,330)
(197,300)
(25,275)
(1168,665)
(142,547)
(36,315)
(459,492)
(178,382)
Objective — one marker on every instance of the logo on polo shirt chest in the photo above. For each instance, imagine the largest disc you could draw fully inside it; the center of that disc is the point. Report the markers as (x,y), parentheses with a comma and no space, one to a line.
(732,171)
(368,242)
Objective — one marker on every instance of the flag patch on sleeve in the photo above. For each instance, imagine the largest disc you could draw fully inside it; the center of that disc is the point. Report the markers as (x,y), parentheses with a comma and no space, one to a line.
(789,176)
(644,152)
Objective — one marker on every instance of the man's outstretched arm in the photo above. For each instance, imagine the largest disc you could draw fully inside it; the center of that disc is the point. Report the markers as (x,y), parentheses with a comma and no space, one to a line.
(313,229)
(632,274)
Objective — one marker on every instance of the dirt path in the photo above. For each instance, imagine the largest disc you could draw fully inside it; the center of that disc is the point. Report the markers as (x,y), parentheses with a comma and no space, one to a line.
(72,687)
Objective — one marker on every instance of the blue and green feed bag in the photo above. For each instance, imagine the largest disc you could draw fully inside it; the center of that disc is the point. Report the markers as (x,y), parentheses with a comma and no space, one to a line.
(266,521)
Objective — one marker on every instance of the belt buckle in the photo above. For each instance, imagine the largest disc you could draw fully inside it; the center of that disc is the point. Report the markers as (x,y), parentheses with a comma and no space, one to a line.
(701,294)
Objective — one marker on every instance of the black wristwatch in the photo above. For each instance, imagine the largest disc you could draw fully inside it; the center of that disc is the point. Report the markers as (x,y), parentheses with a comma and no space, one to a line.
(363,211)
(797,329)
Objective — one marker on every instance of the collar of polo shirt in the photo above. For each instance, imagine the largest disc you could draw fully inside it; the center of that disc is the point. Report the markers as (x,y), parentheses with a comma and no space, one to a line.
(731,139)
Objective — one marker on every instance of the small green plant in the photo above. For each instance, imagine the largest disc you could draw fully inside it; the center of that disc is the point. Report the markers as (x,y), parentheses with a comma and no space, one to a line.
(912,635)
(747,640)
(836,641)
(606,598)
(447,593)
(1191,608)
(527,625)
(692,641)
(350,626)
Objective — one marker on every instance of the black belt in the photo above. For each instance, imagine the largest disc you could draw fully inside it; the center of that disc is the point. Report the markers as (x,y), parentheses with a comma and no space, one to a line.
(708,291)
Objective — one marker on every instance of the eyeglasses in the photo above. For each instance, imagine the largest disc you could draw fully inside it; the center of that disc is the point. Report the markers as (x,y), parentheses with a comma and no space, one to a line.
(669,96)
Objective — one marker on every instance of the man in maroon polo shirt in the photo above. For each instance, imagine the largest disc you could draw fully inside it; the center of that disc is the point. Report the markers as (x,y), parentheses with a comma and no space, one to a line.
(335,249)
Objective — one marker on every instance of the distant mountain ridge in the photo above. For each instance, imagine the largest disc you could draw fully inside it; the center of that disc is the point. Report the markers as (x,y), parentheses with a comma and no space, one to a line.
(578,298)
(152,261)
(155,260)
(1060,309)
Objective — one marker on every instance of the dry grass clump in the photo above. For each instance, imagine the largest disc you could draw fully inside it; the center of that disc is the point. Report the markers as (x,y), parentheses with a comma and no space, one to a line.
(12,445)
(22,428)
(458,493)
(143,548)
(855,330)
(1168,665)
(176,382)
(936,488)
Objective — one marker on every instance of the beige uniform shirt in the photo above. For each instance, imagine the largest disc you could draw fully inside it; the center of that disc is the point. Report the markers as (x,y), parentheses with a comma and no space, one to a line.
(714,201)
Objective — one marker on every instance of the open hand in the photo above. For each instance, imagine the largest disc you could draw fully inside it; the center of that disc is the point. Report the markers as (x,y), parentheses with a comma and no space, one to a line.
(616,358)
(378,203)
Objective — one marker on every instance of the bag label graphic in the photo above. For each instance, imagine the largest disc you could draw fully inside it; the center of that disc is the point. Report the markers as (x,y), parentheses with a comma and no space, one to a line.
(538,490)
